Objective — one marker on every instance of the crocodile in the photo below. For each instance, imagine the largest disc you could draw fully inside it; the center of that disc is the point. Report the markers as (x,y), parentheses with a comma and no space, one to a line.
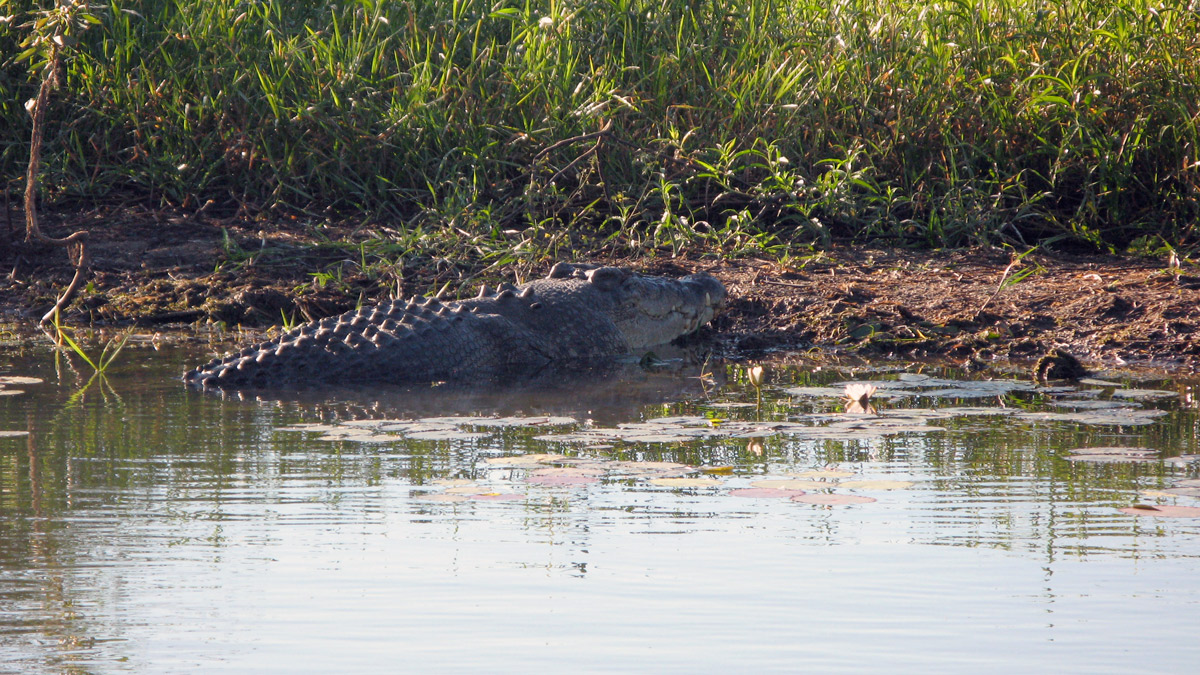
(575,316)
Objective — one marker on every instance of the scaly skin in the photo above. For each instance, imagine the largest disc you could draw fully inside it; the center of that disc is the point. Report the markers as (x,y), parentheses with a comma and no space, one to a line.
(576,315)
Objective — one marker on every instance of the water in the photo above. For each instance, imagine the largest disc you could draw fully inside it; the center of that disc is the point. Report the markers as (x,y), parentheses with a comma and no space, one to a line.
(146,528)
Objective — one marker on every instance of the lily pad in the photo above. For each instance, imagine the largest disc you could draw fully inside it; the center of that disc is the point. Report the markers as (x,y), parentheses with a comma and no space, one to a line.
(445,435)
(468,489)
(1126,417)
(362,437)
(545,421)
(816,392)
(1110,454)
(946,388)
(563,481)
(19,379)
(646,437)
(876,484)
(1143,394)
(1096,382)
(315,427)
(497,497)
(833,499)
(1112,450)
(790,484)
(648,469)
(567,471)
(1160,511)
(765,493)
(1184,491)
(824,473)
(884,390)
(1088,404)
(440,497)
(685,482)
(525,460)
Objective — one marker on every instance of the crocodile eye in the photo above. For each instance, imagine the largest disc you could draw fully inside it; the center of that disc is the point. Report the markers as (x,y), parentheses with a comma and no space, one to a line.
(607,278)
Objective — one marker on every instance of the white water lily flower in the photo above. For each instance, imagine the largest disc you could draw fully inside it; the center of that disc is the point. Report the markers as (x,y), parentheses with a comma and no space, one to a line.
(756,376)
(858,398)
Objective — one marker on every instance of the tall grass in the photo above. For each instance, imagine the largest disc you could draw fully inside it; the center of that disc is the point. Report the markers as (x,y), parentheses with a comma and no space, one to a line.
(734,124)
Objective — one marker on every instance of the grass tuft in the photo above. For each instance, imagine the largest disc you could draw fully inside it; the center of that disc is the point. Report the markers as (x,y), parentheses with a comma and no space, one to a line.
(729,126)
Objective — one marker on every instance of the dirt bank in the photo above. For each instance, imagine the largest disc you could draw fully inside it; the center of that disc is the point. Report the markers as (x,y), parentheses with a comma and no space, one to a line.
(161,271)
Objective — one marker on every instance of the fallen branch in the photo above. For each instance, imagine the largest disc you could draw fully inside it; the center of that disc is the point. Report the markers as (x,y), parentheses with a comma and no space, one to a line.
(33,231)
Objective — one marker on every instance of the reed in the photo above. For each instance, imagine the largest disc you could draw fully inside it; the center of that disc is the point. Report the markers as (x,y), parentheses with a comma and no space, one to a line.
(505,129)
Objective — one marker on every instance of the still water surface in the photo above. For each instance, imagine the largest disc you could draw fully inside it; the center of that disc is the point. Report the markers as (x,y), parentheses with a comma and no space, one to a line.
(147,528)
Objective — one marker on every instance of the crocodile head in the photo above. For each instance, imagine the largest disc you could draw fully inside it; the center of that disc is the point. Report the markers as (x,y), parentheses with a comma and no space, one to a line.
(652,311)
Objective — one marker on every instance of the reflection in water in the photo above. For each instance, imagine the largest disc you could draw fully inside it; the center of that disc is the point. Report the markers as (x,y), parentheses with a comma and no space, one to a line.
(147,527)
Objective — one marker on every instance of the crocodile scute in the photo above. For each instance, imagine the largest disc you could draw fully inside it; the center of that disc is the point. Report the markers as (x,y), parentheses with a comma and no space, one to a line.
(575,315)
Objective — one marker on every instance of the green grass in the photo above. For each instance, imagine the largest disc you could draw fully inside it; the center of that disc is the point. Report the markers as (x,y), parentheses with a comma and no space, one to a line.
(748,125)
(107,355)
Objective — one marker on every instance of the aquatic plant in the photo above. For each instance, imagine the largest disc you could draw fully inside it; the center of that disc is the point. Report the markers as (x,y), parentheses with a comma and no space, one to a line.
(112,348)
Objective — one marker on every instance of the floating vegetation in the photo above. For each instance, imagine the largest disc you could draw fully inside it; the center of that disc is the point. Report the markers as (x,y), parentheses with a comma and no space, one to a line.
(562,481)
(533,459)
(876,484)
(18,379)
(1143,394)
(916,384)
(6,380)
(1121,417)
(440,497)
(1111,454)
(1162,511)
(792,484)
(824,473)
(1089,404)
(833,499)
(566,476)
(609,457)
(1183,492)
(839,392)
(765,492)
(685,482)
(497,497)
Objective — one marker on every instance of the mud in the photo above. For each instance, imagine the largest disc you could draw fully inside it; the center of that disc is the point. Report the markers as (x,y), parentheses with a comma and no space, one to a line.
(163,271)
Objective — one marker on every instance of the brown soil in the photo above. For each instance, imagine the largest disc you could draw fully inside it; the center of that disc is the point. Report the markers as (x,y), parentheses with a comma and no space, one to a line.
(158,270)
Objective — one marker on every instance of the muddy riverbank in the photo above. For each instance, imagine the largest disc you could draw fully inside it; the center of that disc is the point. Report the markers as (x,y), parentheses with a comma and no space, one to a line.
(162,272)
